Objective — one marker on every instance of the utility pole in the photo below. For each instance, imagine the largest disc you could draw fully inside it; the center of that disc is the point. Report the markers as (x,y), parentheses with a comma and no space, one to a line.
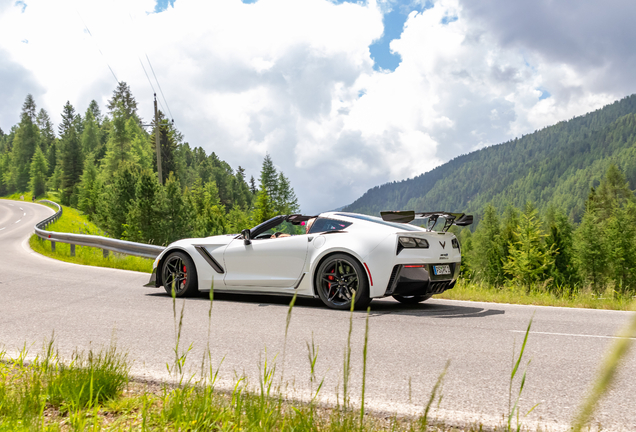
(157,143)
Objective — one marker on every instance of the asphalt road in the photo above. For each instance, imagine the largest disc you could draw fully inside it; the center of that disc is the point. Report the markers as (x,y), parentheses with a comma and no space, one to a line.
(88,307)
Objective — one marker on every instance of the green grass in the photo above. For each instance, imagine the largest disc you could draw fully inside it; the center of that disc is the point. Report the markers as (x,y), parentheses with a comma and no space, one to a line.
(475,291)
(73,221)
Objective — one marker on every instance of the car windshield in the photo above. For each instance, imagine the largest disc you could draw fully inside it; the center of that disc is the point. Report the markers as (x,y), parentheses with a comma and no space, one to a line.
(400,226)
(282,228)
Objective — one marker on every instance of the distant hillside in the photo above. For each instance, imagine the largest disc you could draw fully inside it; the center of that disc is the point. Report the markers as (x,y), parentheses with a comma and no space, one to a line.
(555,165)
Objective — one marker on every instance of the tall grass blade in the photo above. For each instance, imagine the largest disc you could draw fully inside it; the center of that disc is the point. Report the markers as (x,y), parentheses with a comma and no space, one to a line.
(347,358)
(515,369)
(436,388)
(606,375)
(364,366)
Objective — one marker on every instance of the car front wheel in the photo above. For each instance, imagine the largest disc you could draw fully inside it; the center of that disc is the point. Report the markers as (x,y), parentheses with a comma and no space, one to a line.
(338,279)
(179,274)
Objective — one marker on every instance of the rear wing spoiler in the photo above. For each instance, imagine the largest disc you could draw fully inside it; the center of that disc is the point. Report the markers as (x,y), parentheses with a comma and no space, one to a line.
(406,216)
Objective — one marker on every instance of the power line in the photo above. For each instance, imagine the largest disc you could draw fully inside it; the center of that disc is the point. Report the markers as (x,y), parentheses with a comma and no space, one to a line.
(159,85)
(97,46)
(149,82)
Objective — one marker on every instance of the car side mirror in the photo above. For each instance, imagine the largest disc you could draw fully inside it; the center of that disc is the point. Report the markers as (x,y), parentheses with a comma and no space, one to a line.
(247,237)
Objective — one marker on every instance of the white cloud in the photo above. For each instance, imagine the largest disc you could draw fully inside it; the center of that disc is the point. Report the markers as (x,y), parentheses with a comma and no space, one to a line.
(294,78)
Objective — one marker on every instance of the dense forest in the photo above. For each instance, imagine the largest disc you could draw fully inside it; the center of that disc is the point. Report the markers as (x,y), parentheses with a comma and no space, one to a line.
(105,165)
(555,166)
(549,252)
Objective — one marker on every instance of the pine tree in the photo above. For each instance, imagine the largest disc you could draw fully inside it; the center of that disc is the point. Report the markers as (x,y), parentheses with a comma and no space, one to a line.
(612,193)
(591,255)
(96,113)
(27,139)
(47,134)
(265,206)
(253,188)
(38,172)
(269,177)
(560,238)
(528,260)
(178,215)
(621,248)
(120,141)
(120,196)
(72,157)
(285,199)
(145,217)
(123,103)
(243,194)
(488,251)
(91,136)
(90,189)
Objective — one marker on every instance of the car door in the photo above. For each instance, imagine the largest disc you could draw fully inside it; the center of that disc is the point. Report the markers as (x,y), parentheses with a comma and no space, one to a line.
(268,262)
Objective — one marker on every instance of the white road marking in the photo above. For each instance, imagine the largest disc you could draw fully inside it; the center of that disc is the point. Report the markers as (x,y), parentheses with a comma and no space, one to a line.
(573,334)
(18,220)
(24,214)
(21,208)
(2,228)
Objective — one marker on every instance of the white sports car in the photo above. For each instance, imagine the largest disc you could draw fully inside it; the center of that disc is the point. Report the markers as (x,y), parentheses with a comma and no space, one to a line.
(331,256)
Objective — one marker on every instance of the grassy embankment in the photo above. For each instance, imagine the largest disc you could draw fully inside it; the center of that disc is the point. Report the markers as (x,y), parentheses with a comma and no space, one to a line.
(73,221)
(475,291)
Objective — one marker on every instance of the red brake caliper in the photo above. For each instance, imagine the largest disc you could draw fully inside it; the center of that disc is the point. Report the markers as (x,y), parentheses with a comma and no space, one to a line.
(331,278)
(185,276)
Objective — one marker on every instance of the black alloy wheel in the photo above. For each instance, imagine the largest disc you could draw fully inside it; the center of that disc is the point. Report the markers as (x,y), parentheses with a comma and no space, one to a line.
(179,273)
(338,278)
(413,299)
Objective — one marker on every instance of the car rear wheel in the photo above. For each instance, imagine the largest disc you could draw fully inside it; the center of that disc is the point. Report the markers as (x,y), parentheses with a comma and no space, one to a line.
(414,299)
(338,278)
(179,273)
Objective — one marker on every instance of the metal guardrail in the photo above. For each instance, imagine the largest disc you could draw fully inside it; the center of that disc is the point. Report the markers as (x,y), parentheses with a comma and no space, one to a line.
(104,243)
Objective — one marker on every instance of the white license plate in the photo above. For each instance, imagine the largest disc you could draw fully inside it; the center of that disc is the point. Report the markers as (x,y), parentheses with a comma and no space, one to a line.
(441,270)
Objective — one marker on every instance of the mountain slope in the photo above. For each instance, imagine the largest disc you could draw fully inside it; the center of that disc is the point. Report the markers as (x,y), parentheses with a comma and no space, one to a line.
(556,165)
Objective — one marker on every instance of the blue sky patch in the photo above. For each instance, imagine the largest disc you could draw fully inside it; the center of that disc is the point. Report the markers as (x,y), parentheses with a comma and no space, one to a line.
(249,1)
(449,19)
(393,21)
(162,5)
(544,94)
(22,4)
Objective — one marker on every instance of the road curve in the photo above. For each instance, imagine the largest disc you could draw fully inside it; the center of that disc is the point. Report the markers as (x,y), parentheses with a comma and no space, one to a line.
(88,307)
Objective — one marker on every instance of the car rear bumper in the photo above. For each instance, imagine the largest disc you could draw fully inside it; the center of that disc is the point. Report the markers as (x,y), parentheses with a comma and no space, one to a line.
(420,280)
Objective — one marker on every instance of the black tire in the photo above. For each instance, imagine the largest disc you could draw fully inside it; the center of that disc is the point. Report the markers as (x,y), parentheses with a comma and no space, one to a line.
(414,299)
(337,278)
(179,267)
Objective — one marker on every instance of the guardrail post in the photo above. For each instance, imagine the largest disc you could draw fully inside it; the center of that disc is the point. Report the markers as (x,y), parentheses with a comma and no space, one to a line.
(72,249)
(52,246)
(105,253)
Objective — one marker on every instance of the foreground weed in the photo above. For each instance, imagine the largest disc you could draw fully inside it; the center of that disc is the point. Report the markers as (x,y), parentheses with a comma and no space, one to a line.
(606,376)
(346,370)
(435,393)
(180,357)
(364,366)
(514,409)
(90,379)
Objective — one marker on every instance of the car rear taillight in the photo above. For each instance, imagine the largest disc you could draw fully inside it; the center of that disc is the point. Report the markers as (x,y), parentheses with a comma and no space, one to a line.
(411,243)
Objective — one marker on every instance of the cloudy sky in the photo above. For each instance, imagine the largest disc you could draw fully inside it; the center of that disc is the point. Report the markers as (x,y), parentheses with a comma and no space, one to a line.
(344,95)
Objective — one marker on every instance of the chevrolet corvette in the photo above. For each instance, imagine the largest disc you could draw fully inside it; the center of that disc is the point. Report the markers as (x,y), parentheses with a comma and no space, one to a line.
(335,256)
